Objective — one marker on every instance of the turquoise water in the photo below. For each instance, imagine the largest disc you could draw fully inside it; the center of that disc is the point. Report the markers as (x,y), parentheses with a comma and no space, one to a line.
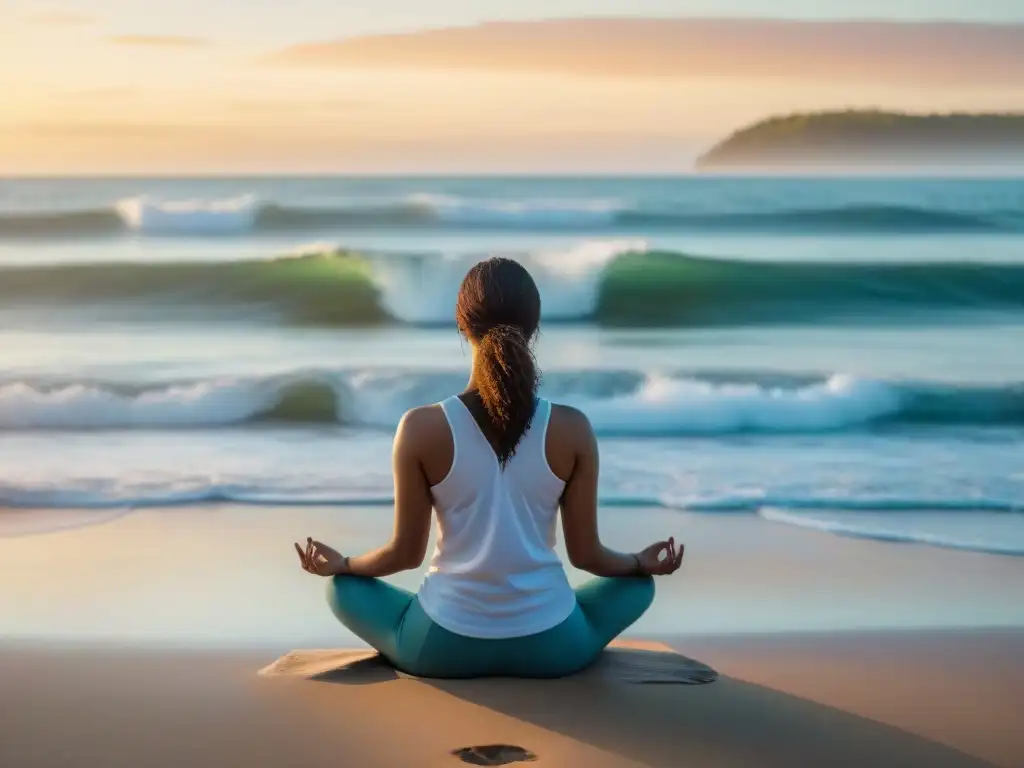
(836,354)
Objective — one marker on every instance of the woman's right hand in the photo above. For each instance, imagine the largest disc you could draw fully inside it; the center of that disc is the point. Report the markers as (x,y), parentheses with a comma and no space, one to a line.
(652,561)
(320,560)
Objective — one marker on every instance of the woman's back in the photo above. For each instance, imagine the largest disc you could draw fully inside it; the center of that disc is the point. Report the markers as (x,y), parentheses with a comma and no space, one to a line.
(494,572)
(498,466)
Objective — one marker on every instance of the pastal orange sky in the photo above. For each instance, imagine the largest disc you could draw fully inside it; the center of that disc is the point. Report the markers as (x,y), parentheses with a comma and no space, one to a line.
(88,93)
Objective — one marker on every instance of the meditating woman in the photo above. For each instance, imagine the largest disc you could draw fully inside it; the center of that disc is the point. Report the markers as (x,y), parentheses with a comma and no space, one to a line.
(497,463)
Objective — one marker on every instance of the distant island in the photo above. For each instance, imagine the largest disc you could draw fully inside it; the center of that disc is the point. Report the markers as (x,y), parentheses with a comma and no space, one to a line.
(871,139)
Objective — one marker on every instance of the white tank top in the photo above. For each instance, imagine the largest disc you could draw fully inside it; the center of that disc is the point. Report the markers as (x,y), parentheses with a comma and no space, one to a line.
(495,573)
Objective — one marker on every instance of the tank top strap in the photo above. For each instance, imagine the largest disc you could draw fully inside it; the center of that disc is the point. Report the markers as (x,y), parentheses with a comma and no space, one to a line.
(468,438)
(460,420)
(539,424)
(543,414)
(531,454)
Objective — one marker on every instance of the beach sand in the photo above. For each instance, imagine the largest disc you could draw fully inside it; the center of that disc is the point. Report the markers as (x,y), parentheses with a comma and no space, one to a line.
(138,642)
(878,705)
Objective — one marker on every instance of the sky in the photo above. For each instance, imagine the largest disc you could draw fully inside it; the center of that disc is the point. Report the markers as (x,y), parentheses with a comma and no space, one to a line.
(405,86)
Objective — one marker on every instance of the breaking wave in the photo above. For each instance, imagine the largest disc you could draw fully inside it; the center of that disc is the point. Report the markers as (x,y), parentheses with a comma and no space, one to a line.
(615,283)
(247,214)
(622,403)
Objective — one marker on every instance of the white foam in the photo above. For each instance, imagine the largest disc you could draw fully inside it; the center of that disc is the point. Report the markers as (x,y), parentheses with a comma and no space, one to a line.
(667,406)
(989,532)
(189,217)
(380,400)
(78,406)
(422,288)
(525,213)
(659,406)
(859,504)
(311,249)
(365,398)
(569,280)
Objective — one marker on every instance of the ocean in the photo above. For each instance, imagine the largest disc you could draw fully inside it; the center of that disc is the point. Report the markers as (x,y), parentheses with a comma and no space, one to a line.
(845,355)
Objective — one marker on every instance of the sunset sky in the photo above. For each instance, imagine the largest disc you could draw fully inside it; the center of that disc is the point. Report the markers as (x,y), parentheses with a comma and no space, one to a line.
(225,86)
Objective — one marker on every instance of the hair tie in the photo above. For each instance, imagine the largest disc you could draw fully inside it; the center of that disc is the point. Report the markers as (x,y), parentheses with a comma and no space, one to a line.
(503,329)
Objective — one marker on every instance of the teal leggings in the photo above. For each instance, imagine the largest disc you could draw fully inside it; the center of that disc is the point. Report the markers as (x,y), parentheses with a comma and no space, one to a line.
(391,620)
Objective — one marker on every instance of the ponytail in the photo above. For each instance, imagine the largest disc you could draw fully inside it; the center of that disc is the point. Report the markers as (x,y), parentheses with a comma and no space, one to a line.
(507,380)
(498,309)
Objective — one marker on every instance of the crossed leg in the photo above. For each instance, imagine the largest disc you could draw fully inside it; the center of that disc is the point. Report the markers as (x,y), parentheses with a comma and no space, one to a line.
(375,611)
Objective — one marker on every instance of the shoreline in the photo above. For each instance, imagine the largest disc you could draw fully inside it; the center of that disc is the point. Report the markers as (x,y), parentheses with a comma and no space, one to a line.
(842,522)
(223,575)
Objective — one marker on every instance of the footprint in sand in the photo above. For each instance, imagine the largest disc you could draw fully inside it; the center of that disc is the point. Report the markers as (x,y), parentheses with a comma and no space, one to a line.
(494,754)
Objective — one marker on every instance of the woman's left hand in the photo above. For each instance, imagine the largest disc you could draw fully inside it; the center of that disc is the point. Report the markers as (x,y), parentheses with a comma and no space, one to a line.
(320,560)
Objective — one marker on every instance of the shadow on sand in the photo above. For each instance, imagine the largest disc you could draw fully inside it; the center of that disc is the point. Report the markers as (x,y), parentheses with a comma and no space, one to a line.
(729,723)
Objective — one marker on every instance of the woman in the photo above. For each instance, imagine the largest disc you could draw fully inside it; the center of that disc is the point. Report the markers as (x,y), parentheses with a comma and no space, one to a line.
(497,463)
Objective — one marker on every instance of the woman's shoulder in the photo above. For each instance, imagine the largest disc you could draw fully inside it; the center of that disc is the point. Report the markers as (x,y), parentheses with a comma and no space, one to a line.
(424,443)
(570,439)
(423,422)
(568,417)
(569,426)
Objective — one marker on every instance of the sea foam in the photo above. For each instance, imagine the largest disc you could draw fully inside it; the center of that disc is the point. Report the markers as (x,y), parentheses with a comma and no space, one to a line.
(531,213)
(245,213)
(422,288)
(624,403)
(999,533)
(671,406)
(189,217)
(85,406)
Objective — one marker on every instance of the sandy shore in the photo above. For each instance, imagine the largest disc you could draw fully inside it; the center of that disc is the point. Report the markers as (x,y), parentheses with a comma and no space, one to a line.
(137,642)
(907,700)
(228,576)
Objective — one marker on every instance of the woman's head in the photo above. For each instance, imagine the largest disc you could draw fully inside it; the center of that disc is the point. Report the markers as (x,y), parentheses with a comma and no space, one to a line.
(498,310)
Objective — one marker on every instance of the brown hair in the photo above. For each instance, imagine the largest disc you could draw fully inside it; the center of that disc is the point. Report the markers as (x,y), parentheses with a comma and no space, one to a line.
(498,309)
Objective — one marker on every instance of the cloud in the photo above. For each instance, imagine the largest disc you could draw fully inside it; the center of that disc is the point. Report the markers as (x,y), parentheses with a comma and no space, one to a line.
(158,41)
(112,92)
(939,53)
(63,19)
(290,107)
(87,130)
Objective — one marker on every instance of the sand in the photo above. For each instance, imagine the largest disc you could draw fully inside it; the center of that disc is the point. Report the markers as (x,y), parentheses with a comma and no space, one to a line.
(103,707)
(961,688)
(229,576)
(138,642)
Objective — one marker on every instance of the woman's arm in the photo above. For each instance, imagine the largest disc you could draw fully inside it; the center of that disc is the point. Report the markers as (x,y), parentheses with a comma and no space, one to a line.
(413,507)
(579,516)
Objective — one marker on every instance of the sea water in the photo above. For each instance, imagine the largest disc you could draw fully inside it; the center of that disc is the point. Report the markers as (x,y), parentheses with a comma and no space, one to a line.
(845,355)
